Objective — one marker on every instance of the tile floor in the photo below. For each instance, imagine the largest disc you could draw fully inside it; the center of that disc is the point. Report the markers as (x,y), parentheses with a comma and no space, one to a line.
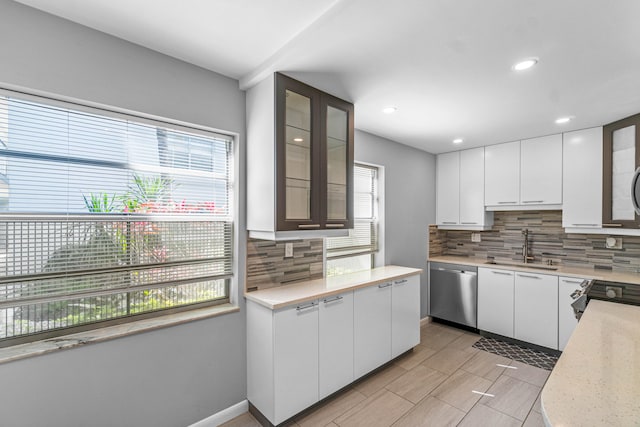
(438,384)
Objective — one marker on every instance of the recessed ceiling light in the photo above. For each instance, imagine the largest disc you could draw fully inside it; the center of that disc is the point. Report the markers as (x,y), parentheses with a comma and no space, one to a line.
(525,64)
(457,141)
(389,110)
(563,120)
(298,139)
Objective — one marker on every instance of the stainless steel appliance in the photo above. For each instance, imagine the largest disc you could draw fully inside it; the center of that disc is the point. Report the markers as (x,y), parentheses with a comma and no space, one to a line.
(624,293)
(453,293)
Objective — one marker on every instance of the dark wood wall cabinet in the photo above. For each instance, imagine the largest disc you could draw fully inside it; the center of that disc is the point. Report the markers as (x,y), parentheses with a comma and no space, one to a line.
(299,161)
(620,159)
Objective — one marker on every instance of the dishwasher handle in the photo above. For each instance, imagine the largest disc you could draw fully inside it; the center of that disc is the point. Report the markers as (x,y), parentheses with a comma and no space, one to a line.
(454,270)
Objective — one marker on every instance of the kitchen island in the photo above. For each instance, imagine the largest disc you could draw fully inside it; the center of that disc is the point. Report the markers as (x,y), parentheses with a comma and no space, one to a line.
(596,381)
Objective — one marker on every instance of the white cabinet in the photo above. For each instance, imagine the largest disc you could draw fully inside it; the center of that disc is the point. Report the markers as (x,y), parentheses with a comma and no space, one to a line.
(336,343)
(460,191)
(495,301)
(372,327)
(472,211)
(567,321)
(448,189)
(524,174)
(536,309)
(502,174)
(582,178)
(405,315)
(541,171)
(300,354)
(282,359)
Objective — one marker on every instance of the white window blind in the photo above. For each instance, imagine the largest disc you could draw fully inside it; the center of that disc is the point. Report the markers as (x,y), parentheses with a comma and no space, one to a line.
(103,218)
(355,251)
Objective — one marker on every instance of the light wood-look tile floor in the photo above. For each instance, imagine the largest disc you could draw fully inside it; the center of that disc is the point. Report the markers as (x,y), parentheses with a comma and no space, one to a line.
(440,383)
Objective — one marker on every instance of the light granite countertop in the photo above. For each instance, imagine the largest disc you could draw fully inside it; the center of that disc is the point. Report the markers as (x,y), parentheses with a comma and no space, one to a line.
(596,381)
(295,293)
(560,270)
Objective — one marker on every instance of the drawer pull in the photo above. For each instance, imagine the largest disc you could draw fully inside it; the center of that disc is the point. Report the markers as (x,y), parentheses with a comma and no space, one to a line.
(334,225)
(338,298)
(577,282)
(385,285)
(449,222)
(304,226)
(304,307)
(611,225)
(533,201)
(469,223)
(585,225)
(506,203)
(400,282)
(504,273)
(529,276)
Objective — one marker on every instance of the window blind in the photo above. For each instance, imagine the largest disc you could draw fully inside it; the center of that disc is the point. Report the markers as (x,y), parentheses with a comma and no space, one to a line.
(363,238)
(103,217)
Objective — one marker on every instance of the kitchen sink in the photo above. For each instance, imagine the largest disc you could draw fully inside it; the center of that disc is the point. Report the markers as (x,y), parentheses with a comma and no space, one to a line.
(520,265)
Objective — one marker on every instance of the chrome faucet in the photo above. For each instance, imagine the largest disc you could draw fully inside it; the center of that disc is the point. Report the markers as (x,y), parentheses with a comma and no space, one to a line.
(525,248)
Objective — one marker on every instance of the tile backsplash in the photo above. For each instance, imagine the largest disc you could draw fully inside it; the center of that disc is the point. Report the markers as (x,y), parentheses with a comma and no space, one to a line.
(267,266)
(547,241)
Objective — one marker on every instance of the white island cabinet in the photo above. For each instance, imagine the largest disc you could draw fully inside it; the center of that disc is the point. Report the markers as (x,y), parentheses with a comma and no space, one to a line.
(336,343)
(308,340)
(372,327)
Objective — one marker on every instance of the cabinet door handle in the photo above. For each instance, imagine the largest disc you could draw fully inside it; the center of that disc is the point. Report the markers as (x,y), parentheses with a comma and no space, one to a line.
(577,282)
(611,225)
(338,298)
(585,225)
(400,282)
(308,226)
(334,225)
(304,307)
(507,203)
(504,273)
(529,276)
(449,222)
(385,285)
(533,201)
(466,222)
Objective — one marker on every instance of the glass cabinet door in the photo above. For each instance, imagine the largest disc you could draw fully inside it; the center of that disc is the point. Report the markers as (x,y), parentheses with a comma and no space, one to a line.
(620,159)
(338,148)
(298,156)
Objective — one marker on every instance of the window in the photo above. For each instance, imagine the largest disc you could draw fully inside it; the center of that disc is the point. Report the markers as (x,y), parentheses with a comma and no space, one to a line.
(105,218)
(356,252)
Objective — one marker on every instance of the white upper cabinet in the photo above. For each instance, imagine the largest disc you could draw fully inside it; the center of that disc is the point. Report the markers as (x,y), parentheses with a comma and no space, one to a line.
(582,179)
(502,175)
(524,174)
(541,171)
(460,191)
(448,188)
(472,212)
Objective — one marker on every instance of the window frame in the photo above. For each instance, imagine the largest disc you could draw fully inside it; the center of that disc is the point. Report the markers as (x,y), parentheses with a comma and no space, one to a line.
(82,106)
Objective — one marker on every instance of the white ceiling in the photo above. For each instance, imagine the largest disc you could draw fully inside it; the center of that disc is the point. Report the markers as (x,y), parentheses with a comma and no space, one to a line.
(445,64)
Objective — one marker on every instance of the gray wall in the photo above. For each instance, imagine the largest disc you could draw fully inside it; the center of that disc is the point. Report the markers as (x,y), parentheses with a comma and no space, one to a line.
(410,200)
(170,377)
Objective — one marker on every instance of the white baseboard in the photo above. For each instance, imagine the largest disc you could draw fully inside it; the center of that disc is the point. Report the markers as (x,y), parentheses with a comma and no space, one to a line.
(223,416)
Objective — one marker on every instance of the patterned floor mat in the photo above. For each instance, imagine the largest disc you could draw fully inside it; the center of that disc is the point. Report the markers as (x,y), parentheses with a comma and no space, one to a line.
(516,352)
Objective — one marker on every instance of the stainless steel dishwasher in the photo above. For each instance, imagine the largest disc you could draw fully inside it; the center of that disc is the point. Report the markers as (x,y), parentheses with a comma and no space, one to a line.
(453,293)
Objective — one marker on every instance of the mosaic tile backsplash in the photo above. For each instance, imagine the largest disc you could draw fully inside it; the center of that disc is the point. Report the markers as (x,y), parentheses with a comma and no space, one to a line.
(267,267)
(547,241)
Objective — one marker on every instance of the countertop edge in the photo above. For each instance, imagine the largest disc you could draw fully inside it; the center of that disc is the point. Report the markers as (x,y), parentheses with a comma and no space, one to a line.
(256,295)
(577,272)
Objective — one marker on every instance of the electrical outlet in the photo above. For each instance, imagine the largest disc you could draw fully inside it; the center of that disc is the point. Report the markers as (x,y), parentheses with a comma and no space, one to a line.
(475,237)
(288,250)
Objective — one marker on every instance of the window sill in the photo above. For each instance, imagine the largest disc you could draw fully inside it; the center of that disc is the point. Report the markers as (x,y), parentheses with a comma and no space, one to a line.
(37,348)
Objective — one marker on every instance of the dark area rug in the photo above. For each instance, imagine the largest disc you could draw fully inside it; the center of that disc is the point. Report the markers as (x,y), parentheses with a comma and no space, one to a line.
(516,352)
